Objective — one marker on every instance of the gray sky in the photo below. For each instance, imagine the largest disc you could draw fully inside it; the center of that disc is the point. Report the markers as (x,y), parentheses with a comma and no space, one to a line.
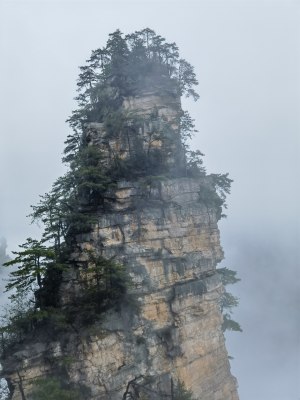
(247,58)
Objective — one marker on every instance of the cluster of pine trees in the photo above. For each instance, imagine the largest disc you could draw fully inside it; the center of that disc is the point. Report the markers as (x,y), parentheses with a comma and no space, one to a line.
(126,66)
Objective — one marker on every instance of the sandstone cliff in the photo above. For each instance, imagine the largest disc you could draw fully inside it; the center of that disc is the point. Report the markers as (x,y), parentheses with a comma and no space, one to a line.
(168,240)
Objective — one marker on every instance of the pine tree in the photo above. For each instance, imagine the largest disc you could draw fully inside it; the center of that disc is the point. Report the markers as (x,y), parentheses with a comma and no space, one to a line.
(32,262)
(228,301)
(128,65)
(182,393)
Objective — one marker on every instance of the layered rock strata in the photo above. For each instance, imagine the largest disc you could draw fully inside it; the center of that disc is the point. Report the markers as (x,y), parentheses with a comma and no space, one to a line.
(169,242)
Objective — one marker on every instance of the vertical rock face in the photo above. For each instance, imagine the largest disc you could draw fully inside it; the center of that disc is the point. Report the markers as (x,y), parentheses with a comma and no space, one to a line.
(169,242)
(160,112)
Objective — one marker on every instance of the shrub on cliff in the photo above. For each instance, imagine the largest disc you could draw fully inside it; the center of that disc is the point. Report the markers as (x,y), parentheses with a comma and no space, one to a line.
(228,301)
(104,284)
(128,65)
(52,389)
(32,262)
(182,393)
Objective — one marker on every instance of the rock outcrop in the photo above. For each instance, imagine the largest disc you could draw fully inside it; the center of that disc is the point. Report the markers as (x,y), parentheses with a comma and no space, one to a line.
(169,242)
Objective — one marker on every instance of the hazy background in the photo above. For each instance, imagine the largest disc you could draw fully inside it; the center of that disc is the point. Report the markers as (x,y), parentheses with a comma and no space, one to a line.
(247,58)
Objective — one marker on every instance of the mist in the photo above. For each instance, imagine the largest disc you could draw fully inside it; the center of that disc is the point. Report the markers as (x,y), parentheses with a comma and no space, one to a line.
(246,56)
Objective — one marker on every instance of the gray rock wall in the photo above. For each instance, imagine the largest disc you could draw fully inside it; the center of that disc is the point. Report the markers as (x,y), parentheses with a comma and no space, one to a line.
(169,242)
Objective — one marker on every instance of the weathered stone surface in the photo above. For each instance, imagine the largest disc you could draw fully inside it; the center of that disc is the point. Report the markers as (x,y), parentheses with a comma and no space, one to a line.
(164,108)
(169,242)
(171,249)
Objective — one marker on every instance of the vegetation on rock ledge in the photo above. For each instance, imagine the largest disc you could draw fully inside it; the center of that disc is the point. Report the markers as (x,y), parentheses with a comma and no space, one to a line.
(127,66)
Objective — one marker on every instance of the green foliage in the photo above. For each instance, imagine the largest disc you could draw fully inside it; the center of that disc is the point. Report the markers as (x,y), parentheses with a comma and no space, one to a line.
(32,262)
(16,321)
(150,140)
(187,126)
(118,69)
(194,163)
(135,62)
(182,393)
(228,301)
(52,389)
(127,66)
(104,284)
(62,209)
(21,317)
(229,324)
(213,192)
(89,180)
(222,185)
(228,276)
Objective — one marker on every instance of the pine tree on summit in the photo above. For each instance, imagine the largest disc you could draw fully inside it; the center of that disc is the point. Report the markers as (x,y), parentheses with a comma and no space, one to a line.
(156,148)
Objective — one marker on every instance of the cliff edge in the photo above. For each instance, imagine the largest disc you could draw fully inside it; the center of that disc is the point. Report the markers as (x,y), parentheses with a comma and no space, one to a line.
(162,229)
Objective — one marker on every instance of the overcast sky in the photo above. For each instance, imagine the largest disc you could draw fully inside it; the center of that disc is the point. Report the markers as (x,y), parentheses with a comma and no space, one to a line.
(247,58)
